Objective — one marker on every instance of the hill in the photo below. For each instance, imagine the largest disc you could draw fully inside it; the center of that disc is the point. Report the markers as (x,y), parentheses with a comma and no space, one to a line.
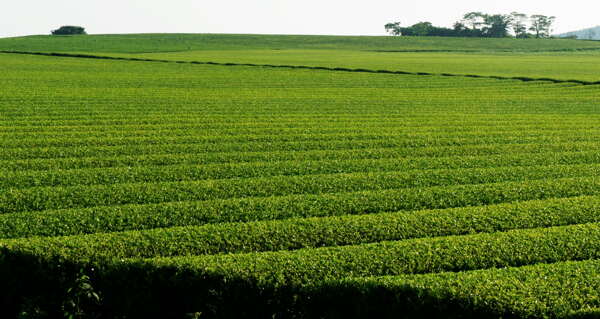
(147,43)
(561,59)
(171,189)
(585,34)
(152,185)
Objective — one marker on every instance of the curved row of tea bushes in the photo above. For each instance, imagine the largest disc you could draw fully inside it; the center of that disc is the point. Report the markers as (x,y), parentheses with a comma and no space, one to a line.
(168,138)
(170,173)
(414,256)
(265,272)
(296,233)
(185,155)
(173,189)
(559,290)
(86,132)
(46,198)
(20,153)
(132,217)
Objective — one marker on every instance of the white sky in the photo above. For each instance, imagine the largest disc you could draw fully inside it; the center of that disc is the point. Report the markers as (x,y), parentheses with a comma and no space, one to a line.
(342,17)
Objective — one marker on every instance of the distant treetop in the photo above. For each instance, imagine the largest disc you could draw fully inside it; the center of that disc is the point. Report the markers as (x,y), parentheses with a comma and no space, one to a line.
(68,30)
(482,25)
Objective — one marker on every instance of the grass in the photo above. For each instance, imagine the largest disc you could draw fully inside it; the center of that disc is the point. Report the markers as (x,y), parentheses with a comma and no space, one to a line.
(147,43)
(558,65)
(257,191)
(560,59)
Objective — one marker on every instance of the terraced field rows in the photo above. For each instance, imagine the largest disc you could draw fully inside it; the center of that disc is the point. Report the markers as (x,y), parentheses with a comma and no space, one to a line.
(295,192)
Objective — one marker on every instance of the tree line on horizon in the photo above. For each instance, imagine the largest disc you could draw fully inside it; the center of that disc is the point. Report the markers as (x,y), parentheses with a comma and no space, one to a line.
(482,25)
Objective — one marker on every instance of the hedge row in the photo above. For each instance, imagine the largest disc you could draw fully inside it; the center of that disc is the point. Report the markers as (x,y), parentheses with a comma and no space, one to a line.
(190,155)
(132,217)
(309,268)
(71,132)
(79,116)
(46,198)
(158,138)
(414,256)
(172,173)
(585,313)
(296,233)
(278,138)
(136,148)
(559,290)
(33,124)
(203,139)
(556,290)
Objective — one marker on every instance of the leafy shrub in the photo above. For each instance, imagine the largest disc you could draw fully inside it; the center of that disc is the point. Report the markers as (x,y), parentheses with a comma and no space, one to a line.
(69,30)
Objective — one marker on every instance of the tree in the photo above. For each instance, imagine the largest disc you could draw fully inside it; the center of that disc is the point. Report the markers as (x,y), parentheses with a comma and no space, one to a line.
(461,30)
(474,20)
(393,28)
(541,25)
(479,24)
(68,30)
(427,29)
(423,29)
(496,25)
(459,26)
(519,24)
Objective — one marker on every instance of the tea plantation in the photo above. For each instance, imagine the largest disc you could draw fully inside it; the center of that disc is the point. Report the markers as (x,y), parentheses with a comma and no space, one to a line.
(159,185)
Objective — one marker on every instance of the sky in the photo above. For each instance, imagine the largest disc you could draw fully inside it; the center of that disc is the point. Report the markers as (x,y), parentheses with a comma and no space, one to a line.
(336,17)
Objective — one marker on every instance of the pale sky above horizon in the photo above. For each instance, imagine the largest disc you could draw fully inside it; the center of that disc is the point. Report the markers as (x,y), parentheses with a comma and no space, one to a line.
(336,17)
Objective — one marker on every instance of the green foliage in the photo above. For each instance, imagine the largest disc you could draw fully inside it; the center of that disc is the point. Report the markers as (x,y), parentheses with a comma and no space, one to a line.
(69,30)
(482,25)
(519,24)
(145,43)
(541,25)
(189,189)
(168,214)
(393,28)
(47,198)
(80,298)
(585,313)
(429,255)
(561,64)
(426,29)
(295,233)
(497,25)
(192,168)
(538,291)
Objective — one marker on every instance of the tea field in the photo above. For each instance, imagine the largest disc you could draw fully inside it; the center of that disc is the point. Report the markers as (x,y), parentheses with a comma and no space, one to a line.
(148,43)
(530,59)
(177,190)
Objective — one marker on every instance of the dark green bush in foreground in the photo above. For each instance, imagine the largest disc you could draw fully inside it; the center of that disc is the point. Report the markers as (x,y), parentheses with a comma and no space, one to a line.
(133,289)
(284,280)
